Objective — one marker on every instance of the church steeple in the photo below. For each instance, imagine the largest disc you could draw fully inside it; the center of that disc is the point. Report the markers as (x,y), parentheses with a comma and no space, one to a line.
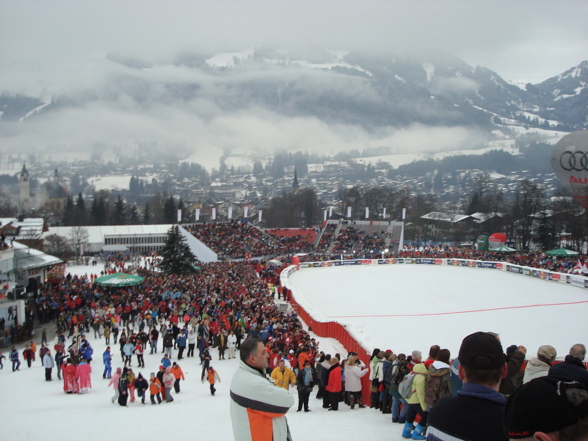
(295,183)
(24,185)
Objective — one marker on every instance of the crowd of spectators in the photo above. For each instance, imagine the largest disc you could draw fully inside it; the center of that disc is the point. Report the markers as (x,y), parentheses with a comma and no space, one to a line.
(235,239)
(352,239)
(297,240)
(224,297)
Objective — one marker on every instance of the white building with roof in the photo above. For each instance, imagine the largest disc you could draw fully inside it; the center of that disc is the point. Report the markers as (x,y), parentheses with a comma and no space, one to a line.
(133,238)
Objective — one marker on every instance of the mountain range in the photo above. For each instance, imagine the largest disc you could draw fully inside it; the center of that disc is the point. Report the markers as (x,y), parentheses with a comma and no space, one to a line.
(337,88)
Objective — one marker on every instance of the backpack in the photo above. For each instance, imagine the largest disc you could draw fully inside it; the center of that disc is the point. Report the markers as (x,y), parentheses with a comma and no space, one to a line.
(433,389)
(405,386)
(401,371)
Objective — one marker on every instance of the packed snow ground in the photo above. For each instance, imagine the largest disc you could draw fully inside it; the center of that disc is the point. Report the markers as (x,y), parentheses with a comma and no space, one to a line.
(407,307)
(32,408)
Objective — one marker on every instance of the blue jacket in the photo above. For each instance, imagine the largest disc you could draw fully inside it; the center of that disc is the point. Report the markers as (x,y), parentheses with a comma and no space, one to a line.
(87,354)
(106,357)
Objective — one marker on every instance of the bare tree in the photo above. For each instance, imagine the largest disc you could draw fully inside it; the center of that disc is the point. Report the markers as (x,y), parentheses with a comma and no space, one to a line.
(58,246)
(79,238)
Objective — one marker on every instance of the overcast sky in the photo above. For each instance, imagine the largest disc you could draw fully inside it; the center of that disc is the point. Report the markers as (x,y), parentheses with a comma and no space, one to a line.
(522,40)
(60,46)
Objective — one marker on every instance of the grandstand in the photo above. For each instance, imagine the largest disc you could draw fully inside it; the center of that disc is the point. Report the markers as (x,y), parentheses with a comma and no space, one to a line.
(238,240)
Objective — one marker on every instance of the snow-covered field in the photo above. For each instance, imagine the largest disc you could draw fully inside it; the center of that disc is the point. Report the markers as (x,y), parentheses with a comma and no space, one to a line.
(407,307)
(33,409)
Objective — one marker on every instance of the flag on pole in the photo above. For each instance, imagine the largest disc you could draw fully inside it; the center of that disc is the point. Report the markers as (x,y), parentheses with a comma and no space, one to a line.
(324,215)
(179,216)
(197,214)
(367,212)
(348,211)
(403,213)
(213,213)
(231,212)
(384,213)
(246,210)
(259,216)
(330,212)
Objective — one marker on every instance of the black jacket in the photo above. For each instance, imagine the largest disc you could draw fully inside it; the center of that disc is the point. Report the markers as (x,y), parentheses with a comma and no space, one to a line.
(571,368)
(477,416)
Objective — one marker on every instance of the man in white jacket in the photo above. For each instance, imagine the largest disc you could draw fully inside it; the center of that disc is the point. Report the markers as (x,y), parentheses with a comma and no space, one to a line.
(258,408)
(48,364)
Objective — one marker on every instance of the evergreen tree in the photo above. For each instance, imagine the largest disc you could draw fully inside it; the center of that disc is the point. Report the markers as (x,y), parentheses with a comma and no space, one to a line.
(134,217)
(177,258)
(80,210)
(99,210)
(69,212)
(147,214)
(119,216)
(170,214)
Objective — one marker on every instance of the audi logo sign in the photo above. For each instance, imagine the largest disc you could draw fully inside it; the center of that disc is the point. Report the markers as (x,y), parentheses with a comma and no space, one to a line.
(574,161)
(570,164)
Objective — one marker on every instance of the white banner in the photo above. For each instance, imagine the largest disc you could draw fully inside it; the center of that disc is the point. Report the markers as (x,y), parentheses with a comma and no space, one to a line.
(246,211)
(259,216)
(324,215)
(403,213)
(348,211)
(330,212)
(384,213)
(179,216)
(367,212)
(197,214)
(231,212)
(214,213)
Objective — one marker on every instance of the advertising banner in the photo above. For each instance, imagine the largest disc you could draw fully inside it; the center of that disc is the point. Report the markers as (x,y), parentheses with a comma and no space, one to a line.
(576,280)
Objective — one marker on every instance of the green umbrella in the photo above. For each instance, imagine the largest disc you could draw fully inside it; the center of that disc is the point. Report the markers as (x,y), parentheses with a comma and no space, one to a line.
(119,279)
(503,249)
(562,252)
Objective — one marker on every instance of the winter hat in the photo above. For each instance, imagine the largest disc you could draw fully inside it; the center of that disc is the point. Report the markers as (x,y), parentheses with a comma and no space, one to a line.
(481,350)
(547,353)
(545,404)
(152,374)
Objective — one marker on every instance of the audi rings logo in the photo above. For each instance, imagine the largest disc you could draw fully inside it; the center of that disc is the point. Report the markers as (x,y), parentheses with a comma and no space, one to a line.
(574,161)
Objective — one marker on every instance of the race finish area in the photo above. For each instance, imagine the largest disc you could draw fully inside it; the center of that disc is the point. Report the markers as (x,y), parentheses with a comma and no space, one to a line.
(407,307)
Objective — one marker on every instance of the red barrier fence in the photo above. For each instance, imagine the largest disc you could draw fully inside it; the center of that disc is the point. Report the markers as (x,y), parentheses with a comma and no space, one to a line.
(338,332)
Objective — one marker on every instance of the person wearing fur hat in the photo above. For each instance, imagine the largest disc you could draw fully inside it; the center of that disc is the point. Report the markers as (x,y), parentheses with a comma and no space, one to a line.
(539,366)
